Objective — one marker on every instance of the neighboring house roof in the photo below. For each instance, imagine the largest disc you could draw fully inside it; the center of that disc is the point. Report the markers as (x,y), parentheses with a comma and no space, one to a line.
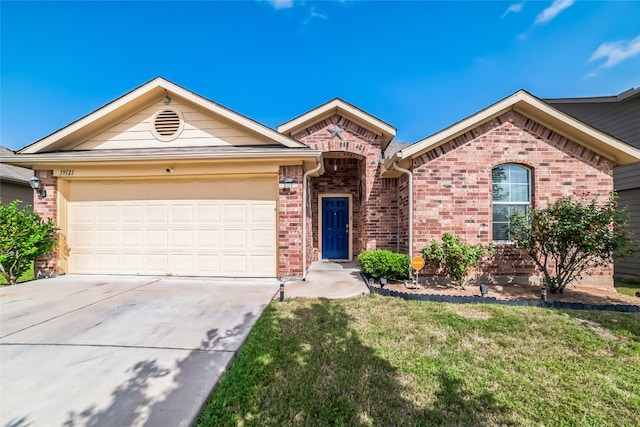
(618,115)
(13,173)
(343,108)
(532,107)
(138,98)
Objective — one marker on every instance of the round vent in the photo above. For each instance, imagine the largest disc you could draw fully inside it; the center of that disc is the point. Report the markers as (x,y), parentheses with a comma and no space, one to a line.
(167,125)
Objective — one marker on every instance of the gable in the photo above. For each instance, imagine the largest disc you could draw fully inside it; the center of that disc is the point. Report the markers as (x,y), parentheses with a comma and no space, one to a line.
(190,127)
(361,122)
(122,123)
(532,109)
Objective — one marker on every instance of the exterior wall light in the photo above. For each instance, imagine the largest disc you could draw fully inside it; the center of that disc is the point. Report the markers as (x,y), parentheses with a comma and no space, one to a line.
(288,183)
(35,183)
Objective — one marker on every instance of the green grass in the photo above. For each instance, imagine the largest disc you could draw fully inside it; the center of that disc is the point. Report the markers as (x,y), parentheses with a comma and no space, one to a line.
(384,361)
(28,275)
(627,287)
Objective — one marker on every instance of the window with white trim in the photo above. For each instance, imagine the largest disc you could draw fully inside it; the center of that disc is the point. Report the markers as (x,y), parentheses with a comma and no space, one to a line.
(511,192)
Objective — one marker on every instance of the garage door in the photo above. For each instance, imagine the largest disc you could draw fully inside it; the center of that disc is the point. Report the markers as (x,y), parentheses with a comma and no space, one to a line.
(158,228)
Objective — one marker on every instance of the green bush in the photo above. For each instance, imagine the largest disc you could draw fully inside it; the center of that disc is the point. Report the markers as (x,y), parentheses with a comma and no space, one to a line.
(24,236)
(454,257)
(572,235)
(384,263)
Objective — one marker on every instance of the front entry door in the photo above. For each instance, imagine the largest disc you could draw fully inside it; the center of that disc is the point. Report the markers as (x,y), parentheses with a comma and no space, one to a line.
(335,228)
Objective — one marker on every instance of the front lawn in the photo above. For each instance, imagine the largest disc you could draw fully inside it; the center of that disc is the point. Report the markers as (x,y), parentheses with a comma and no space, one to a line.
(385,361)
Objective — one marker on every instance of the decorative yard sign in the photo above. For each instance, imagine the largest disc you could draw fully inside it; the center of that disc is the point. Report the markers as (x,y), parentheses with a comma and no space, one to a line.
(417,262)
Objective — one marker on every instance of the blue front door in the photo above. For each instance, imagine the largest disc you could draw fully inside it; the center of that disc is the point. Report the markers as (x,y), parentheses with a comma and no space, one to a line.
(335,228)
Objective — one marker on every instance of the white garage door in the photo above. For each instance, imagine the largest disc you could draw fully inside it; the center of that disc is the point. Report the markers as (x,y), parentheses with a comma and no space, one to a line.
(190,237)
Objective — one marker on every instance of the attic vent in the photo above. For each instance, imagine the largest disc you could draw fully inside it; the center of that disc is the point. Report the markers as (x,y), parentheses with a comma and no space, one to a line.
(167,125)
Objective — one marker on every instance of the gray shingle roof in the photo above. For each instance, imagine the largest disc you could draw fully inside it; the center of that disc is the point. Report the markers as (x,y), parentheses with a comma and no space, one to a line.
(13,173)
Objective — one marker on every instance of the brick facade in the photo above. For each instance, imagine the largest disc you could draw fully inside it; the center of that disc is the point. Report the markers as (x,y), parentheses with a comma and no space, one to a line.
(47,265)
(290,223)
(453,193)
(352,166)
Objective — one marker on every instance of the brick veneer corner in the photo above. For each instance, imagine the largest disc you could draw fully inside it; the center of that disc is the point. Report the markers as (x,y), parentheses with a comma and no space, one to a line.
(47,265)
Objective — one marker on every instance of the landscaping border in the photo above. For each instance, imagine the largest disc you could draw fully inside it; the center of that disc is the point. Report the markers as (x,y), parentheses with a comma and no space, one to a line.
(457,299)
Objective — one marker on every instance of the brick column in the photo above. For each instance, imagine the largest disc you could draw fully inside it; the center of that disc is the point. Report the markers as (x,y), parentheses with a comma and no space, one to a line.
(290,223)
(47,265)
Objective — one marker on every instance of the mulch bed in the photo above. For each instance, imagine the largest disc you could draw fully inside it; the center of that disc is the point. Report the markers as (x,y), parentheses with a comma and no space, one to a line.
(573,297)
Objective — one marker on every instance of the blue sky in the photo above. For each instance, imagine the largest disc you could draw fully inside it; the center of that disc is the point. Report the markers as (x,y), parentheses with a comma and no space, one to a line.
(419,66)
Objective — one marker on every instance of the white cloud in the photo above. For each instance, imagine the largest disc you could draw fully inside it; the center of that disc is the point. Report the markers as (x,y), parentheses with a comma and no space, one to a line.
(552,11)
(281,4)
(514,8)
(616,52)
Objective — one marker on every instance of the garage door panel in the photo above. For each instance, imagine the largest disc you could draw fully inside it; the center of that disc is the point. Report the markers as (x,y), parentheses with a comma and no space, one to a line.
(182,239)
(261,239)
(82,215)
(132,214)
(132,263)
(182,214)
(261,214)
(157,214)
(208,239)
(182,263)
(132,238)
(108,263)
(179,237)
(207,265)
(234,239)
(208,214)
(108,239)
(235,213)
(83,238)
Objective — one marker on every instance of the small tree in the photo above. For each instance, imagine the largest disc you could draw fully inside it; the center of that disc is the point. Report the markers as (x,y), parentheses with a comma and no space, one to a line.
(570,236)
(24,236)
(456,258)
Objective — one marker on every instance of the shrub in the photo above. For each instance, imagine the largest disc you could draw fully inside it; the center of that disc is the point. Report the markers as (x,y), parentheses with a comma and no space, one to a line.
(384,263)
(454,257)
(24,236)
(572,235)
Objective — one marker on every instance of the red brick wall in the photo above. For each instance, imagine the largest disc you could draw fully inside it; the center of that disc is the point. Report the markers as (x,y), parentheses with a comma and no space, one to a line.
(290,223)
(452,183)
(47,265)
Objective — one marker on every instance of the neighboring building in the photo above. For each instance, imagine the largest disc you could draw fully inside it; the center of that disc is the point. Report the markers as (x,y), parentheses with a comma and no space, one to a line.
(163,181)
(619,116)
(14,182)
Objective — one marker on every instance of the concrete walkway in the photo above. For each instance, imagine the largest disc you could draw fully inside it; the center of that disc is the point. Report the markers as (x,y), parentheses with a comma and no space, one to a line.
(327,279)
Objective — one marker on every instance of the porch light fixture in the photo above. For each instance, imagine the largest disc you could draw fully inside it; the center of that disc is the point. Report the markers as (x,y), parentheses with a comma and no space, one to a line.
(35,184)
(288,183)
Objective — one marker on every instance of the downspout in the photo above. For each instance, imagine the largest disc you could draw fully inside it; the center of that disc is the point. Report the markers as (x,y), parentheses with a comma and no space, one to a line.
(304,218)
(410,176)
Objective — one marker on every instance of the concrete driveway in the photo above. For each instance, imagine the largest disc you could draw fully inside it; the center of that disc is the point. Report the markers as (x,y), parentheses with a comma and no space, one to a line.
(119,351)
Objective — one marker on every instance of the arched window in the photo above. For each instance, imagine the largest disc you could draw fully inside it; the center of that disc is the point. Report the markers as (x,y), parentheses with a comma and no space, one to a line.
(511,192)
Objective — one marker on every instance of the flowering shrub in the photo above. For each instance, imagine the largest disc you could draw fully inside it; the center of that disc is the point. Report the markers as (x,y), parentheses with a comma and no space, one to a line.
(454,257)
(571,235)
